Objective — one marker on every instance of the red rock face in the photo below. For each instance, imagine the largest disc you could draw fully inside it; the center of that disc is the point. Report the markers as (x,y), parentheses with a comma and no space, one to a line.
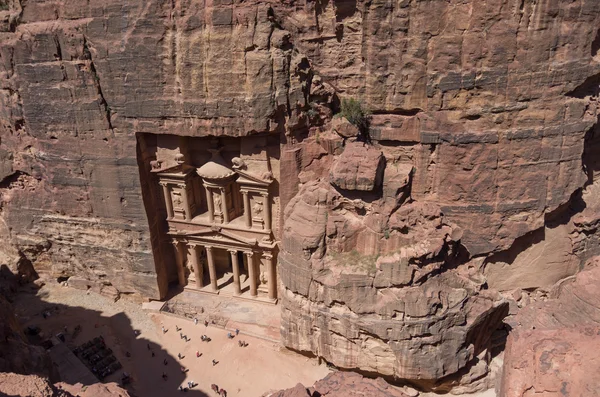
(344,384)
(484,131)
(552,348)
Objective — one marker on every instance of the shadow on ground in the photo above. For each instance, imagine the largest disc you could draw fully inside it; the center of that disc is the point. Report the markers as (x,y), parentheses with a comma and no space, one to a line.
(142,358)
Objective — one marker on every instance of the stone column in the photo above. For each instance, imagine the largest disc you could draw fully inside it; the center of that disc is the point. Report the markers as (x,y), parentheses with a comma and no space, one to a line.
(272,275)
(186,203)
(197,265)
(212,270)
(179,260)
(224,205)
(236,272)
(168,202)
(211,205)
(267,210)
(252,273)
(247,214)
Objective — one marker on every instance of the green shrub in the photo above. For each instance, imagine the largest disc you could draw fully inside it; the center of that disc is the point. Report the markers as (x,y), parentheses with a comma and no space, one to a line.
(353,110)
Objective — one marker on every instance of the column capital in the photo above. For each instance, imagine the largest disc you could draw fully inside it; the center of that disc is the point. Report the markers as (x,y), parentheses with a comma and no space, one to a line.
(249,253)
(267,255)
(264,194)
(163,183)
(232,251)
(208,248)
(244,192)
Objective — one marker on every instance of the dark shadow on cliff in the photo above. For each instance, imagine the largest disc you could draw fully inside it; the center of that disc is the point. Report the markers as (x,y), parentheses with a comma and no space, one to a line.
(140,357)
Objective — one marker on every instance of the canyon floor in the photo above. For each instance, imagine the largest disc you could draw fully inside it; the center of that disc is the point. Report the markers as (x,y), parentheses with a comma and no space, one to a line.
(256,370)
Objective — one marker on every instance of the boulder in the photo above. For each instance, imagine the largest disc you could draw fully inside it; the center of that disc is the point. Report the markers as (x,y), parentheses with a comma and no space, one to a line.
(360,167)
(344,128)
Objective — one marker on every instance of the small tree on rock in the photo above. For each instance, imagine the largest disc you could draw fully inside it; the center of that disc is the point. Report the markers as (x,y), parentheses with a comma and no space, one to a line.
(353,110)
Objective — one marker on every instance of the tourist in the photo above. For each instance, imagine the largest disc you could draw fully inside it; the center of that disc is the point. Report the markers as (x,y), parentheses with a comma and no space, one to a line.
(205,322)
(240,343)
(148,346)
(165,362)
(222,393)
(127,354)
(195,321)
(164,330)
(180,356)
(184,369)
(214,362)
(197,353)
(229,335)
(177,328)
(164,376)
(65,329)
(214,388)
(237,331)
(152,353)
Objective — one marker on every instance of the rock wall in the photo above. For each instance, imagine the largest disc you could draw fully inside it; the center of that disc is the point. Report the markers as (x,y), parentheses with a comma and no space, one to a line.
(551,349)
(481,153)
(486,118)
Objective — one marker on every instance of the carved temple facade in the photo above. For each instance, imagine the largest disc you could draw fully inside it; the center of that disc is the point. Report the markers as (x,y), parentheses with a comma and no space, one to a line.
(219,218)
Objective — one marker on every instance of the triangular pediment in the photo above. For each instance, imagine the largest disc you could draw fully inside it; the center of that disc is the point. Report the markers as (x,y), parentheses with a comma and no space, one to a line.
(218,235)
(252,179)
(175,170)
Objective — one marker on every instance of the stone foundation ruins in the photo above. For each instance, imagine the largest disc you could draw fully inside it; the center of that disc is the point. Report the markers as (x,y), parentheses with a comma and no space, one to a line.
(149,145)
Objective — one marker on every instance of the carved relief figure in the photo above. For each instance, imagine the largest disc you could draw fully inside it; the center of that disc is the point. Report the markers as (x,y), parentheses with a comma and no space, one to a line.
(177,201)
(257,208)
(218,203)
(189,267)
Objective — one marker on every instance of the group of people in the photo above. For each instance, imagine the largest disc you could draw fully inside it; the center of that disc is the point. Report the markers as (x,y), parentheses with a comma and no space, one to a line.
(204,338)
(220,392)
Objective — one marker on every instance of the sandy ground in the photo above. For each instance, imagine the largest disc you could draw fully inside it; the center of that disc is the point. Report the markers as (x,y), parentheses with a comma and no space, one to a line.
(254,370)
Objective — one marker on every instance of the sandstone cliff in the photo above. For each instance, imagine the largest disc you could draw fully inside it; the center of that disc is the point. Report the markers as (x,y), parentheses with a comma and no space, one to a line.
(481,155)
(552,348)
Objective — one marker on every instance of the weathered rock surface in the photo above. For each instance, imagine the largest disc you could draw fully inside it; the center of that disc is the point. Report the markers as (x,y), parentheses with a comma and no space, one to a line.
(344,384)
(34,386)
(16,354)
(360,167)
(485,123)
(399,314)
(552,348)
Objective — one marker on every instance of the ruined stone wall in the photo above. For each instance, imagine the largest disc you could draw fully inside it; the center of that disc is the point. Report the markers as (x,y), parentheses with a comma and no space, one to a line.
(481,154)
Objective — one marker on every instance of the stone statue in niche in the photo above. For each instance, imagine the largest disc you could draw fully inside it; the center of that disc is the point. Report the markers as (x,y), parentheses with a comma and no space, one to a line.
(177,201)
(257,208)
(190,269)
(218,203)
